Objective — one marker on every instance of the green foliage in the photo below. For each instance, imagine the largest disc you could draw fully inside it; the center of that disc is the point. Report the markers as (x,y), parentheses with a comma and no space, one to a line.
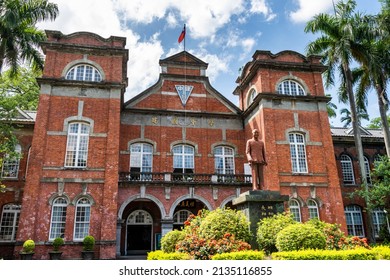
(204,249)
(57,243)
(225,220)
(377,122)
(242,255)
(269,227)
(300,236)
(355,254)
(88,243)
(160,255)
(169,240)
(28,246)
(335,237)
(383,252)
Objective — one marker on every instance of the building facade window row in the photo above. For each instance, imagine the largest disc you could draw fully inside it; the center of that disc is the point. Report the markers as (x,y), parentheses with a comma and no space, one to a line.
(348,172)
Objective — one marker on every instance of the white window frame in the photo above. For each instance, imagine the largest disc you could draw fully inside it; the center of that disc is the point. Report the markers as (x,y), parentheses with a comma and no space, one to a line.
(313,209)
(9,215)
(82,219)
(298,152)
(225,157)
(76,155)
(295,209)
(347,170)
(183,159)
(368,170)
(251,96)
(379,218)
(291,87)
(181,216)
(354,218)
(142,159)
(84,72)
(10,167)
(58,218)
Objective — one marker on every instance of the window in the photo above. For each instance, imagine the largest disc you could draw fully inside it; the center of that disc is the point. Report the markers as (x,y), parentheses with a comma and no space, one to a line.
(183,159)
(353,215)
(77,145)
(251,96)
(10,167)
(140,217)
(379,220)
(58,218)
(9,222)
(313,209)
(295,210)
(82,219)
(298,153)
(141,158)
(224,160)
(290,87)
(84,72)
(368,171)
(181,216)
(347,170)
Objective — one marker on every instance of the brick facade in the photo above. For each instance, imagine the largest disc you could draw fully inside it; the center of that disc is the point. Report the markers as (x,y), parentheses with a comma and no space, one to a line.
(136,197)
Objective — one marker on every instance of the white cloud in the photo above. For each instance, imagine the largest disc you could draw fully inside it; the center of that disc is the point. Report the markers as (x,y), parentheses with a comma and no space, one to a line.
(261,7)
(309,8)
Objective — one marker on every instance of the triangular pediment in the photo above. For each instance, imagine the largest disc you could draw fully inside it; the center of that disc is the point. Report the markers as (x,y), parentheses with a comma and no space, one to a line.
(184,58)
(363,131)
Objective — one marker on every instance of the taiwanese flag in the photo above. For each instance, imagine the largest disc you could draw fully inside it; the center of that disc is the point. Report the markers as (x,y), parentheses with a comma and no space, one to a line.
(182,35)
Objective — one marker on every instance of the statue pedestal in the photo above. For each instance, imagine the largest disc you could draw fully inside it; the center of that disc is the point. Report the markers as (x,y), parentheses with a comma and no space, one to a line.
(257,205)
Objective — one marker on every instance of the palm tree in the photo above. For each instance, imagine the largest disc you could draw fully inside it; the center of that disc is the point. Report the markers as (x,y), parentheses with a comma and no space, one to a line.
(346,116)
(340,43)
(374,73)
(331,108)
(19,38)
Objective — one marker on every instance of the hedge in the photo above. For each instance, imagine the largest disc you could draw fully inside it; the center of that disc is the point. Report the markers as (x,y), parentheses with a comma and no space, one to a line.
(355,254)
(241,255)
(160,255)
(383,252)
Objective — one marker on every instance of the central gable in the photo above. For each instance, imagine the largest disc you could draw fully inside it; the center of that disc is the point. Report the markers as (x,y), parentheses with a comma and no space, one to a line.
(183,86)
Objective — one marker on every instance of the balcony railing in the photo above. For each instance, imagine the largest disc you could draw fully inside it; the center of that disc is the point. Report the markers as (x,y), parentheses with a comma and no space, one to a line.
(184,178)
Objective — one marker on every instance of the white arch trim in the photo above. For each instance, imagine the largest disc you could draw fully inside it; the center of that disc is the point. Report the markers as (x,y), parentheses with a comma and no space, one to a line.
(147,196)
(226,200)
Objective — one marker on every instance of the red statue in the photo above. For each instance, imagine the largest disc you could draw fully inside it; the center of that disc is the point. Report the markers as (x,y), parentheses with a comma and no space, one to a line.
(256,157)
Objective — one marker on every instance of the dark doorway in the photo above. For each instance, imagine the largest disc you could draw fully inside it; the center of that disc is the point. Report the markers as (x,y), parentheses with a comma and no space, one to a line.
(139,238)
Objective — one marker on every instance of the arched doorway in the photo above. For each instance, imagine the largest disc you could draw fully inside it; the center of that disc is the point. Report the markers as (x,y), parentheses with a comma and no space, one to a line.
(139,232)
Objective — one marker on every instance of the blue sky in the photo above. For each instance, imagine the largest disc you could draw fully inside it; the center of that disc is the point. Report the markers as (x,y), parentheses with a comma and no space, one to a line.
(223,33)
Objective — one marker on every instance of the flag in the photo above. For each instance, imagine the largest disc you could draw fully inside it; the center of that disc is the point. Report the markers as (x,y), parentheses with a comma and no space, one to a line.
(182,35)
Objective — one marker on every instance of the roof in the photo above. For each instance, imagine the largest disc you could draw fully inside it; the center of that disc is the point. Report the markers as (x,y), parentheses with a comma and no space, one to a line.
(365,132)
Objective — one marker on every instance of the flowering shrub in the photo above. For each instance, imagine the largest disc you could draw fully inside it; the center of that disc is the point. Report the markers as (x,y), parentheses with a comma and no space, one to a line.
(169,240)
(334,236)
(300,236)
(204,249)
(353,242)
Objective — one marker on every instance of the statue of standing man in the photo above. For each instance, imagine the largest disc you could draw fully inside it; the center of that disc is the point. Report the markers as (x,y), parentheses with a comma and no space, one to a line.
(256,157)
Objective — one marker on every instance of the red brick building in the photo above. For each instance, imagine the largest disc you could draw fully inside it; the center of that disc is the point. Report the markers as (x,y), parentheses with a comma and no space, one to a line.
(129,172)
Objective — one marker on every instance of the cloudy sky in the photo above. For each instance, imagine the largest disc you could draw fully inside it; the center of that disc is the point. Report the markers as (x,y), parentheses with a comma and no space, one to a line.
(223,33)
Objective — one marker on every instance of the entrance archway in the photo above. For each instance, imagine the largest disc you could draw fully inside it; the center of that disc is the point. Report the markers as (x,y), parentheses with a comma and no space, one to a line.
(139,232)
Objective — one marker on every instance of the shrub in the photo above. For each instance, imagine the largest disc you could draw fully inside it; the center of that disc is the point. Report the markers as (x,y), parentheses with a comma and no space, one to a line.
(222,221)
(88,243)
(169,240)
(57,243)
(160,255)
(300,236)
(335,237)
(242,255)
(28,246)
(204,249)
(269,227)
(355,254)
(383,252)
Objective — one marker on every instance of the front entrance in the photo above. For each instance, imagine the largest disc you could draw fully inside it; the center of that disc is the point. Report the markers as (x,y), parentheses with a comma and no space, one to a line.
(139,233)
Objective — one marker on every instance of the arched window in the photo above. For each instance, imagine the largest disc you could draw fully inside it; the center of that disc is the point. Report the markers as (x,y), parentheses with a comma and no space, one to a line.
(139,217)
(290,87)
(313,209)
(83,72)
(353,215)
(77,145)
(295,209)
(347,170)
(251,96)
(10,166)
(141,160)
(368,170)
(58,218)
(380,220)
(224,160)
(9,222)
(183,159)
(82,218)
(181,216)
(298,153)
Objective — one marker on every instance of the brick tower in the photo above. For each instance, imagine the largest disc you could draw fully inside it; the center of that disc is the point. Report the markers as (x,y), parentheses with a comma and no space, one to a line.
(283,97)
(72,184)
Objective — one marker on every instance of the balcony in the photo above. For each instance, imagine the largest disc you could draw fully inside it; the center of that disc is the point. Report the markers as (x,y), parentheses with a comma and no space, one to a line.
(184,178)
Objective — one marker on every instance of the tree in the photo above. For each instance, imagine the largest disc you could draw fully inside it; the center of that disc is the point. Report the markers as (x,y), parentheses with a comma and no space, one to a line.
(377,122)
(19,38)
(19,91)
(346,116)
(340,43)
(331,108)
